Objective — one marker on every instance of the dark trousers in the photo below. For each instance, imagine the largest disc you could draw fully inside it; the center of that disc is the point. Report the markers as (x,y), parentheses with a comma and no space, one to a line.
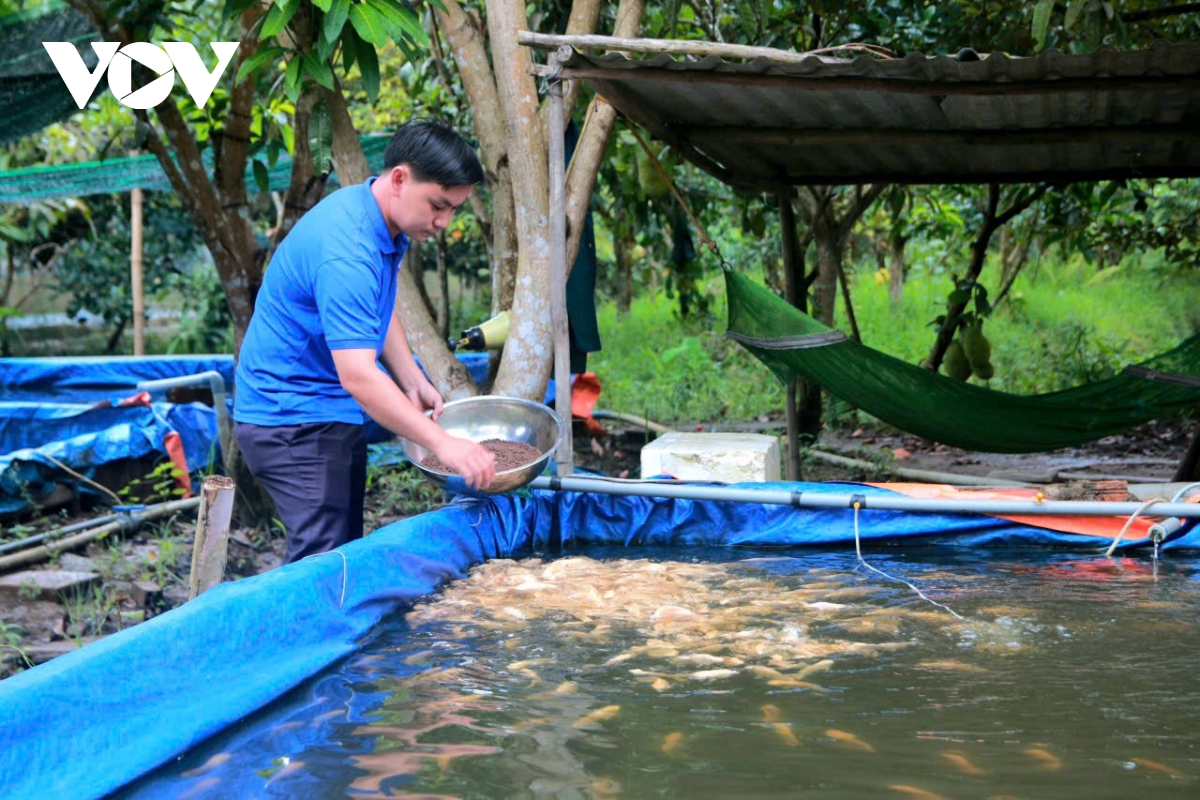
(317,476)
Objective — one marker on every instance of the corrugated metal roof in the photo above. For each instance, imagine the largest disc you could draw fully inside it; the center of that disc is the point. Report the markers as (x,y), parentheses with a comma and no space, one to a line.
(918,119)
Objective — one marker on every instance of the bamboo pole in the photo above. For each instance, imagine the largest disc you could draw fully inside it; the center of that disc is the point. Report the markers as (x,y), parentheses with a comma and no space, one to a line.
(211,544)
(135,269)
(677,47)
(565,457)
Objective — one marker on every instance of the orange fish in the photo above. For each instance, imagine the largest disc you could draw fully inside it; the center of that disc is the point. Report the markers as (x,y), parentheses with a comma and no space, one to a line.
(1157,767)
(215,761)
(770,713)
(200,788)
(849,739)
(1050,762)
(786,734)
(672,743)
(599,715)
(914,792)
(963,764)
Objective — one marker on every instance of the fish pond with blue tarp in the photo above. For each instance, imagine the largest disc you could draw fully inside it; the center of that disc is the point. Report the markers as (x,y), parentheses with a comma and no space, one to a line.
(632,647)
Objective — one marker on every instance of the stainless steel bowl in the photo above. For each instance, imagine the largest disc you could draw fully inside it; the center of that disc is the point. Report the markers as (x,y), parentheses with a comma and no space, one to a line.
(494,417)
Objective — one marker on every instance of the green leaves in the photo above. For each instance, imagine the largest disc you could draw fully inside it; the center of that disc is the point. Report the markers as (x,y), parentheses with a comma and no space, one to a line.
(402,22)
(278,17)
(265,55)
(369,24)
(1041,22)
(318,70)
(1074,9)
(261,176)
(335,19)
(368,65)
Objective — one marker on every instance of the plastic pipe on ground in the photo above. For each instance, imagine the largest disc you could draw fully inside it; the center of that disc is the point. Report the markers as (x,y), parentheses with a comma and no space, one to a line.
(883,503)
(123,523)
(54,534)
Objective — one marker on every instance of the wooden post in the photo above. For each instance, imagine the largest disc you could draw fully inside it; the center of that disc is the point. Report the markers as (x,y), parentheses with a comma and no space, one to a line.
(793,281)
(135,269)
(565,457)
(1189,465)
(212,535)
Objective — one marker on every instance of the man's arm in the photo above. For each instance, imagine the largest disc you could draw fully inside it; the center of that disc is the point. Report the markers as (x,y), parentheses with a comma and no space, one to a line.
(398,358)
(383,400)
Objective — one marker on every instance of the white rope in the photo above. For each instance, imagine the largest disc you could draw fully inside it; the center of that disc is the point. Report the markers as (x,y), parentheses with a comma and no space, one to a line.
(1129,522)
(1184,491)
(861,560)
(345,570)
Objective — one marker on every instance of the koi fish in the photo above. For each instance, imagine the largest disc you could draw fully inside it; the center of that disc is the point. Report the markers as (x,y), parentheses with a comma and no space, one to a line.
(914,792)
(1050,762)
(1157,767)
(786,734)
(963,764)
(599,715)
(215,761)
(850,740)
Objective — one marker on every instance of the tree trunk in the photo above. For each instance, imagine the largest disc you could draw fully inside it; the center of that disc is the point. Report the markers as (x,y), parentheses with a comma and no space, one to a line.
(829,257)
(114,338)
(414,264)
(623,244)
(443,279)
(793,277)
(1189,465)
(896,269)
(992,222)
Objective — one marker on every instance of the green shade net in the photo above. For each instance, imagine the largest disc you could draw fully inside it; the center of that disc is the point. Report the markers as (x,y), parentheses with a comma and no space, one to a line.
(32,95)
(794,345)
(122,174)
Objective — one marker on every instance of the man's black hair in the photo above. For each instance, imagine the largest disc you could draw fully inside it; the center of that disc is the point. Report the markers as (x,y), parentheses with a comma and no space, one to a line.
(435,153)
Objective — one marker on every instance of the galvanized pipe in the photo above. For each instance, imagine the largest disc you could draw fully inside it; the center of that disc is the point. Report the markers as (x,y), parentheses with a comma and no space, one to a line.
(53,534)
(684,491)
(216,383)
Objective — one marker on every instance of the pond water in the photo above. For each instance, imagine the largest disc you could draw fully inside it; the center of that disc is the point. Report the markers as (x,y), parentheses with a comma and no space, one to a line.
(637,673)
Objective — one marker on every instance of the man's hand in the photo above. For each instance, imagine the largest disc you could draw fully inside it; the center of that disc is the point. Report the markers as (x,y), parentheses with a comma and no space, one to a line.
(424,397)
(476,465)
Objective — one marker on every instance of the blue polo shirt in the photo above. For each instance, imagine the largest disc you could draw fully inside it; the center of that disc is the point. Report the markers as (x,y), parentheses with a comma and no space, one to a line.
(331,285)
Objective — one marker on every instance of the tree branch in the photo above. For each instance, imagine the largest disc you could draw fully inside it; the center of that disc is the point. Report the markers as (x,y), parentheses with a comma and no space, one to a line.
(1159,13)
(593,141)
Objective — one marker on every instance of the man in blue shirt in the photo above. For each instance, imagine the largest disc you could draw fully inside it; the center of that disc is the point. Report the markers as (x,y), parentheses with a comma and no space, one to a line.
(308,368)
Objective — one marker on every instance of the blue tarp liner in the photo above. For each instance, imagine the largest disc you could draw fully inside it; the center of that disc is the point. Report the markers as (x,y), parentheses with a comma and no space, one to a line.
(48,408)
(93,720)
(98,377)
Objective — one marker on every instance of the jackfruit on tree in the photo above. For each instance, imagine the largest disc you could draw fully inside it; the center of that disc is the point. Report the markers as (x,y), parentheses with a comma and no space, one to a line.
(651,183)
(956,363)
(976,347)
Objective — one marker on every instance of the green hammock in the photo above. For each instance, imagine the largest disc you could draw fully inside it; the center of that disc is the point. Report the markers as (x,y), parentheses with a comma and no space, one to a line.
(794,345)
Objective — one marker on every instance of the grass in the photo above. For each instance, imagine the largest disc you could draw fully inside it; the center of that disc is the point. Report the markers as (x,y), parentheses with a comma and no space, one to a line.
(1064,324)
(671,370)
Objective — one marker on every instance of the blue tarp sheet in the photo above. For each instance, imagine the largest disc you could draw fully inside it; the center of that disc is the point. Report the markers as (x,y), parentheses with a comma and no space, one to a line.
(93,720)
(48,409)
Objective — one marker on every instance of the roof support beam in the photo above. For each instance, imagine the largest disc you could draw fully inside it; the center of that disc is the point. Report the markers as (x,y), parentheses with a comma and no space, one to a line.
(645,73)
(1130,135)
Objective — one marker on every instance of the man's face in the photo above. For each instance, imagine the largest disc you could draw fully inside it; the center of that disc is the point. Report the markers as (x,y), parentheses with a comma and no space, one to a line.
(421,209)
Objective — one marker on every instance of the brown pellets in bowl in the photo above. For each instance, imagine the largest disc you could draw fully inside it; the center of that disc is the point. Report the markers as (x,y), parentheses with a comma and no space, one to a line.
(509,455)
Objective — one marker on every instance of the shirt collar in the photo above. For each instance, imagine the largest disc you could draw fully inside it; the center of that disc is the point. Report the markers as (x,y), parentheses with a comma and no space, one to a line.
(387,245)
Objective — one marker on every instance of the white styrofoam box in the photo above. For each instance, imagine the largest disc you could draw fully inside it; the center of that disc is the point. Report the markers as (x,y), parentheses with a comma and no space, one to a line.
(725,457)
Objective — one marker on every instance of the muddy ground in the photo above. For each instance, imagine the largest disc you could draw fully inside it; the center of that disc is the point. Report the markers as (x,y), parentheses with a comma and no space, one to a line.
(142,575)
